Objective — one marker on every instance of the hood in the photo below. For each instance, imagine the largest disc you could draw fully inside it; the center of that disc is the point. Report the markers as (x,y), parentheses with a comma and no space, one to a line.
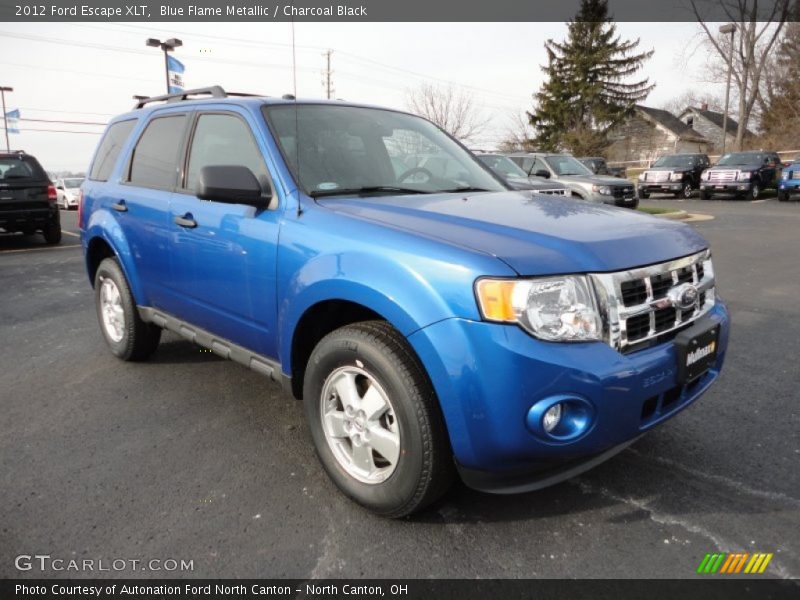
(593,180)
(534,235)
(673,169)
(533,183)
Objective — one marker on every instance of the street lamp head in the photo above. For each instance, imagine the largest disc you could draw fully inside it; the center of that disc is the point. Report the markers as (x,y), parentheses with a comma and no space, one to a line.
(6,89)
(727,28)
(153,42)
(174,42)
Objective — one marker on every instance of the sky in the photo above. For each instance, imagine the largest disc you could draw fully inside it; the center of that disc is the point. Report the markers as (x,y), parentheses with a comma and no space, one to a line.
(89,72)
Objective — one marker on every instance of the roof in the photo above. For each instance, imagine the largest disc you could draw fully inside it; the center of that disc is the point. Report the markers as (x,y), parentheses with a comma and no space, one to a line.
(670,122)
(716,118)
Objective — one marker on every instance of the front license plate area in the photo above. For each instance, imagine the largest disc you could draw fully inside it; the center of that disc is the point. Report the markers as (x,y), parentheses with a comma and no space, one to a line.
(696,348)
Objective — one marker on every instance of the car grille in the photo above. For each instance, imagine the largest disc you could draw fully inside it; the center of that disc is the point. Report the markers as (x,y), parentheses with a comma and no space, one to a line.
(795,175)
(722,176)
(623,191)
(639,303)
(553,192)
(656,176)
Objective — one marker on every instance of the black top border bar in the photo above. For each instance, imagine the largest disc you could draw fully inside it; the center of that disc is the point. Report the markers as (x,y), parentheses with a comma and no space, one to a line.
(377,10)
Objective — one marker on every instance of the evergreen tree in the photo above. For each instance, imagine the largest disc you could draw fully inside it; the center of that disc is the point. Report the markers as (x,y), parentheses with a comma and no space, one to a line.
(587,91)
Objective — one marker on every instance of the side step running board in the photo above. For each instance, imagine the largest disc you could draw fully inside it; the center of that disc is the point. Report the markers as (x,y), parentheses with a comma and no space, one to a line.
(216,344)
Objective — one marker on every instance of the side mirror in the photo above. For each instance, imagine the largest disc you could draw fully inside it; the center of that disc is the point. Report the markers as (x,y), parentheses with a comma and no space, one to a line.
(542,173)
(232,184)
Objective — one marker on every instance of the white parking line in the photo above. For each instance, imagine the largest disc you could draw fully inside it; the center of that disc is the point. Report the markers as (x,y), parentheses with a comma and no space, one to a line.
(39,249)
(77,235)
(757,201)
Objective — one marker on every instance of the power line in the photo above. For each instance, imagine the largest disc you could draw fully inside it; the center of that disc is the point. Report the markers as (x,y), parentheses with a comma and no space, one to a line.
(27,129)
(66,122)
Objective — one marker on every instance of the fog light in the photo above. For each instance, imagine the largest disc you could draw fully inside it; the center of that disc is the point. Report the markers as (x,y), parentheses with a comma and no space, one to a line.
(561,419)
(551,417)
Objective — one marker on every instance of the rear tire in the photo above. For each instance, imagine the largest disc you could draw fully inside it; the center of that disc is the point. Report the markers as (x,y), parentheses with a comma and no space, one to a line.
(52,232)
(375,420)
(126,334)
(686,192)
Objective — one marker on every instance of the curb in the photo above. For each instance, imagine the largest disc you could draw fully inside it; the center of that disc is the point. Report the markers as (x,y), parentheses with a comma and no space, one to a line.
(678,215)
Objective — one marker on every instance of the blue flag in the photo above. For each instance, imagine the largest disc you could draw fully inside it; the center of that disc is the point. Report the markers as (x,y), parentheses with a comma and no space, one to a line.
(12,121)
(175,68)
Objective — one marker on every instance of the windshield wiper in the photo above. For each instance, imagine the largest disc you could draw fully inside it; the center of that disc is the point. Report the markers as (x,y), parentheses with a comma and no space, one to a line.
(457,190)
(366,190)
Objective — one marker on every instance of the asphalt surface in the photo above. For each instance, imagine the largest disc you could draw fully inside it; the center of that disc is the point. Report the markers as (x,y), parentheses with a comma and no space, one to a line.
(191,457)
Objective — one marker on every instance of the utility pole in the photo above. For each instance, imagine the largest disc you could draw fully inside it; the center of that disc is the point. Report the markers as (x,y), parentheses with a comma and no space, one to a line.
(3,91)
(327,82)
(729,28)
(167,47)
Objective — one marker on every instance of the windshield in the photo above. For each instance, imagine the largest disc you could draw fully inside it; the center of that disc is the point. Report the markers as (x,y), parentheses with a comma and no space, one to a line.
(676,160)
(503,166)
(742,158)
(567,165)
(73,183)
(347,149)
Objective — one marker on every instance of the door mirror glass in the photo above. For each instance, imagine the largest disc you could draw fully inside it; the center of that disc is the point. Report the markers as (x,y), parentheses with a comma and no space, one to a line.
(231,184)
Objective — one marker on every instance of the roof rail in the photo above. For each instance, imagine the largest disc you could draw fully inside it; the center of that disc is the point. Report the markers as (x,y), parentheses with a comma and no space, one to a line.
(215,91)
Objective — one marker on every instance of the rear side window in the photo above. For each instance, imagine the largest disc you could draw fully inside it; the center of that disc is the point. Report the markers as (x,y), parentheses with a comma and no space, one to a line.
(221,139)
(154,163)
(20,168)
(109,149)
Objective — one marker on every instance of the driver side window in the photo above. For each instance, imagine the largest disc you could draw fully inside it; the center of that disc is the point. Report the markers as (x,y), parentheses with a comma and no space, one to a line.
(223,139)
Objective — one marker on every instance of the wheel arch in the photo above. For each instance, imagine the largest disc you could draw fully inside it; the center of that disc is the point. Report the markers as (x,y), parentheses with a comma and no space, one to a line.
(104,238)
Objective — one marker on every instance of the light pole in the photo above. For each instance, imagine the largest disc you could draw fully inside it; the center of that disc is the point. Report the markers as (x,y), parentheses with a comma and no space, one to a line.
(167,46)
(729,28)
(3,91)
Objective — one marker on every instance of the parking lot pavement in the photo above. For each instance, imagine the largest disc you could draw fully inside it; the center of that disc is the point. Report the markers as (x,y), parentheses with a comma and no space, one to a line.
(187,456)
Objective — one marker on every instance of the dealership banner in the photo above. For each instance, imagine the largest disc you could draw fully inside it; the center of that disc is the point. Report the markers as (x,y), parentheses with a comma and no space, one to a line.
(12,121)
(175,70)
(374,10)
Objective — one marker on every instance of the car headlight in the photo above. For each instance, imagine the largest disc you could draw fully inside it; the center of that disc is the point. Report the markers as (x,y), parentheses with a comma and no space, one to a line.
(641,176)
(744,175)
(785,175)
(675,176)
(601,189)
(556,309)
(705,175)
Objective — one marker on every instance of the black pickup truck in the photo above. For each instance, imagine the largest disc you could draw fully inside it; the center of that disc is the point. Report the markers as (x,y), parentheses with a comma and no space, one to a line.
(743,174)
(27,198)
(677,174)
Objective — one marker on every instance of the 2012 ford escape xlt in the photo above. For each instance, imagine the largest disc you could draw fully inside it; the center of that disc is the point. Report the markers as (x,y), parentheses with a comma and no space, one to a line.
(434,322)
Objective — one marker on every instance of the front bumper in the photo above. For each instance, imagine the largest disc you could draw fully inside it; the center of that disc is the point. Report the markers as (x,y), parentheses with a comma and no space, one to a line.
(790,186)
(666,187)
(487,376)
(731,187)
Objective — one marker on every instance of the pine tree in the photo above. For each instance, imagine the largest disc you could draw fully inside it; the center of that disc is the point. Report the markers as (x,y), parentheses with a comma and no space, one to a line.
(587,91)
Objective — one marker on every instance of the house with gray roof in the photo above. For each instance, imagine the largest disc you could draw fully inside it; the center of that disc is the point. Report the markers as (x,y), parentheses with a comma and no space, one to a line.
(709,124)
(652,132)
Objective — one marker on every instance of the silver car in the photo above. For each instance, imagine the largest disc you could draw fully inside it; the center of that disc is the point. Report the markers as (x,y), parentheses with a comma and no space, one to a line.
(578,178)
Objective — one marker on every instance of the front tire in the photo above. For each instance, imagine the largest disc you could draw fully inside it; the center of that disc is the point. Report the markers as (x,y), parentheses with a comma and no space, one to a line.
(644,195)
(704,195)
(126,334)
(783,196)
(375,420)
(755,191)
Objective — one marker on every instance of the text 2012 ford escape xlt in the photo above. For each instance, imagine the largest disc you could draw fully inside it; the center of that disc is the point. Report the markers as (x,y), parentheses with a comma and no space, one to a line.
(434,323)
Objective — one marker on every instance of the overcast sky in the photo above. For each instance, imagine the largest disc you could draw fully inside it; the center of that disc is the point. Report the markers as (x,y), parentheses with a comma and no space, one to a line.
(89,72)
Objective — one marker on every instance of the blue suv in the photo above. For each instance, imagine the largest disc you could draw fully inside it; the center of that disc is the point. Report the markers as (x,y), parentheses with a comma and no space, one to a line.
(434,322)
(789,184)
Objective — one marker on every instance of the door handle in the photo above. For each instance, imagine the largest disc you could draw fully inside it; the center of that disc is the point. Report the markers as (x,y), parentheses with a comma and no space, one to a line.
(120,206)
(186,221)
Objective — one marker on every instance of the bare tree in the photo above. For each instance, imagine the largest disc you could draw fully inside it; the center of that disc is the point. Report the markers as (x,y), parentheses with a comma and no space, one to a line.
(451,109)
(518,134)
(757,31)
(692,98)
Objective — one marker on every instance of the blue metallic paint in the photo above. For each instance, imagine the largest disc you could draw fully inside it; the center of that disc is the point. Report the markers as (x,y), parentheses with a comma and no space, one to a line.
(414,260)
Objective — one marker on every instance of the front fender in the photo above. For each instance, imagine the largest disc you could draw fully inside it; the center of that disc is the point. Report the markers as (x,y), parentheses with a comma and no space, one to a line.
(102,224)
(397,292)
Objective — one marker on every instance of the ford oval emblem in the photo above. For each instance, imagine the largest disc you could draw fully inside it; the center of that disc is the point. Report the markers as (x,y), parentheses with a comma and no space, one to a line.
(684,296)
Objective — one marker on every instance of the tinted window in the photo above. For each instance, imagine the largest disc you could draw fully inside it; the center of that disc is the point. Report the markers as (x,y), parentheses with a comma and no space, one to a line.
(109,149)
(154,162)
(20,168)
(223,140)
